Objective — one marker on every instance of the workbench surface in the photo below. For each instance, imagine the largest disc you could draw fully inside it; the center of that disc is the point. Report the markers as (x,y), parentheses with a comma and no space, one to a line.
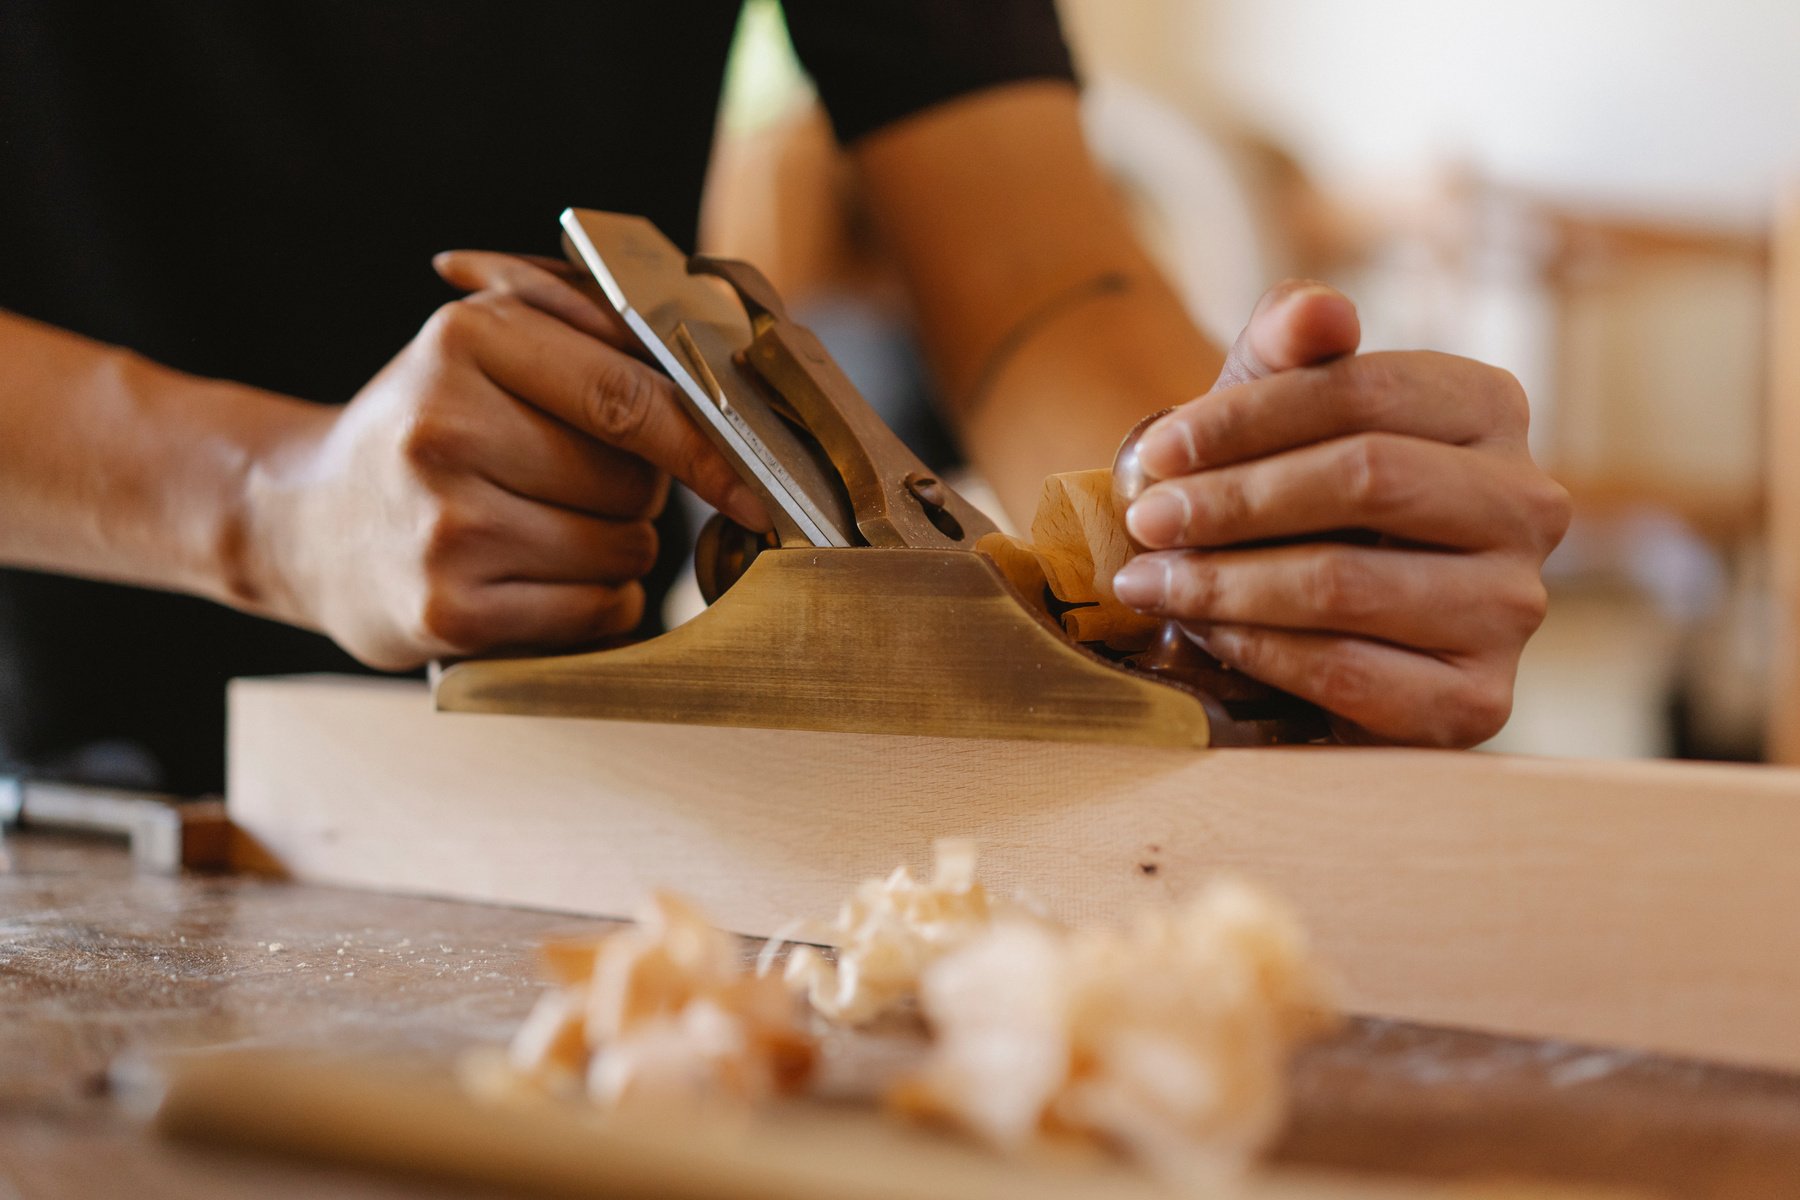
(97,964)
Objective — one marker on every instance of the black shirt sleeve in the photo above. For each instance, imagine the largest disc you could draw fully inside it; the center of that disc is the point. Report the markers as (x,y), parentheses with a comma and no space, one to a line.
(876,61)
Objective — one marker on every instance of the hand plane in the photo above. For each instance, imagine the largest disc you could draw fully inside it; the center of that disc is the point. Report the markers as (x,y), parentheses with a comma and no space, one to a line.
(882,601)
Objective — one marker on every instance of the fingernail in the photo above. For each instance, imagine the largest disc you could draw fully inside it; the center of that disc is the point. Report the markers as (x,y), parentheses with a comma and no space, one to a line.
(746,508)
(1167,449)
(1159,517)
(1142,583)
(1310,288)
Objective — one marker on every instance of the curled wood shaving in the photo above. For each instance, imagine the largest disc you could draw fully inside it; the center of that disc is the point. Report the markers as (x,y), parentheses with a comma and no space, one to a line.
(662,1013)
(1167,1040)
(888,932)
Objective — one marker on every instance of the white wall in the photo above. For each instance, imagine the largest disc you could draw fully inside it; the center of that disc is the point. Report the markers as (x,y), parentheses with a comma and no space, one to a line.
(1681,109)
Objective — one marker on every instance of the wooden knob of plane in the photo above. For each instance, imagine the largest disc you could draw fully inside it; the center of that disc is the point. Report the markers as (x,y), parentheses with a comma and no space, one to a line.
(723,551)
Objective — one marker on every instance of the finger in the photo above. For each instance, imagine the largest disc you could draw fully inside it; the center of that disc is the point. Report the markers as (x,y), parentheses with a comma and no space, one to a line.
(522,616)
(533,455)
(553,545)
(556,266)
(1405,487)
(1297,323)
(543,283)
(489,534)
(1417,598)
(1394,694)
(1418,393)
(558,546)
(599,391)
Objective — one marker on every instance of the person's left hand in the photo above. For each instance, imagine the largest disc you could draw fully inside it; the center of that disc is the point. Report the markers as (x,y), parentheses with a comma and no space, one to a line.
(1413,637)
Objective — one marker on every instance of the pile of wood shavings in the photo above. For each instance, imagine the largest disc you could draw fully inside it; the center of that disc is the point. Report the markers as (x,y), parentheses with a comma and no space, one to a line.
(1167,1041)
(662,1013)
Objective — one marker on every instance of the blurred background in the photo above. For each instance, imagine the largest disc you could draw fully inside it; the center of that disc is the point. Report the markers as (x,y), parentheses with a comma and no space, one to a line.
(1602,196)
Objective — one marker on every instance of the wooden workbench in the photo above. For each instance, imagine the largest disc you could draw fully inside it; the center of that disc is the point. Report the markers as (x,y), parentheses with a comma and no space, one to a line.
(97,963)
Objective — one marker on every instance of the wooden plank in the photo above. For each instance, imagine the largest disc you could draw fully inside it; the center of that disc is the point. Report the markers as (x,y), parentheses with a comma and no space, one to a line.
(1653,905)
(387,1114)
(1783,469)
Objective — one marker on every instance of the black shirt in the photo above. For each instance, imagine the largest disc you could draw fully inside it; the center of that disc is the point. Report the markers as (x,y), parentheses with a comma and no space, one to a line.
(254,191)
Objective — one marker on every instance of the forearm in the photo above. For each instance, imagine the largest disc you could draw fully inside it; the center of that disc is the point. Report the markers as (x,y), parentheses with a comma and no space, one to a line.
(1062,395)
(116,468)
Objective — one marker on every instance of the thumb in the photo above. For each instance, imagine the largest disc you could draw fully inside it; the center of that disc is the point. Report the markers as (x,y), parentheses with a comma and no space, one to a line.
(1297,323)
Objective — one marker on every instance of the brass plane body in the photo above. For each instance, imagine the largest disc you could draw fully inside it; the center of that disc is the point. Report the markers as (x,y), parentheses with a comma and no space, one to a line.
(871,611)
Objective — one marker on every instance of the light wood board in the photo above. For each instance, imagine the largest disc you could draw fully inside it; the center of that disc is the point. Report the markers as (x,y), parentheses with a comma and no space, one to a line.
(1654,905)
(382,1114)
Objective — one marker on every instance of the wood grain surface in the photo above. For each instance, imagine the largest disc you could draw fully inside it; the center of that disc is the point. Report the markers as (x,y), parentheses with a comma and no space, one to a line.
(382,1113)
(100,967)
(1078,543)
(1631,904)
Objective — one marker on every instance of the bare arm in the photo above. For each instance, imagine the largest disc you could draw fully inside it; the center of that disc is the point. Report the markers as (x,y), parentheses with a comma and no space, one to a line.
(116,468)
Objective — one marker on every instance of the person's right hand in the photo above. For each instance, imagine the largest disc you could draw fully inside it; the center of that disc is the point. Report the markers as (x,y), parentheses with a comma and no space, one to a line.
(1408,632)
(492,488)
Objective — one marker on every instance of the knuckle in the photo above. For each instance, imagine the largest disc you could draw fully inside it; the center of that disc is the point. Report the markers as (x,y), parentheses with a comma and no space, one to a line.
(1552,510)
(1366,385)
(1221,504)
(640,546)
(447,618)
(496,305)
(1193,587)
(1343,585)
(457,326)
(1482,709)
(1342,681)
(1248,650)
(431,439)
(1371,476)
(452,532)
(618,400)
(617,610)
(1218,424)
(1529,604)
